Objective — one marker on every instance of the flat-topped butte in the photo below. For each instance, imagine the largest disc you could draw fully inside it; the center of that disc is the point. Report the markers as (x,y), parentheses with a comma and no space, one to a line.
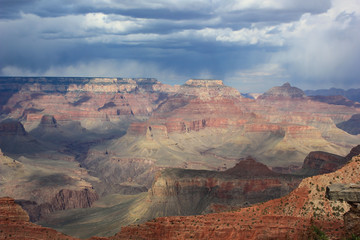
(204,83)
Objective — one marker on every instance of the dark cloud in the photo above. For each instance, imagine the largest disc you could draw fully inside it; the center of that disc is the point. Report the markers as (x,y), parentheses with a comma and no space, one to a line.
(242,42)
(11,9)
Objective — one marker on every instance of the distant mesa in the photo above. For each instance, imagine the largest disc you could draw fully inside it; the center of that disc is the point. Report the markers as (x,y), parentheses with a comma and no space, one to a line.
(352,94)
(319,162)
(336,100)
(48,121)
(249,167)
(12,127)
(352,125)
(204,83)
(355,151)
(284,91)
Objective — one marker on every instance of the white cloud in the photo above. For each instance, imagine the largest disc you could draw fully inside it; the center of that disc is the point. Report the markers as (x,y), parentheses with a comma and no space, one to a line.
(317,46)
(260,77)
(323,47)
(112,23)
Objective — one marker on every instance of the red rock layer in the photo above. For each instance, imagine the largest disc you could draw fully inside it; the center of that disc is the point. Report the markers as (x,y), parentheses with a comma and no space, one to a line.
(249,167)
(64,199)
(82,98)
(15,225)
(289,217)
(12,128)
(323,162)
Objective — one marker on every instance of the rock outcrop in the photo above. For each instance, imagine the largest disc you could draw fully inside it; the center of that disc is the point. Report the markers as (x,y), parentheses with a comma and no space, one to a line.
(284,91)
(354,152)
(189,192)
(12,128)
(81,99)
(349,193)
(352,125)
(159,112)
(352,94)
(64,199)
(48,121)
(249,167)
(336,100)
(15,225)
(288,217)
(322,162)
(121,175)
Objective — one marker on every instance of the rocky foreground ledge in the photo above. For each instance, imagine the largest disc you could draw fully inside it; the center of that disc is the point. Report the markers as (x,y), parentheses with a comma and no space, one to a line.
(349,193)
(14,224)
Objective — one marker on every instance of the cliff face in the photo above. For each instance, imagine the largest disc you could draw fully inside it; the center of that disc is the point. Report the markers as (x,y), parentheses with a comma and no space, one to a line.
(322,162)
(352,125)
(44,186)
(161,113)
(64,199)
(12,128)
(122,175)
(288,217)
(336,100)
(14,224)
(295,124)
(352,94)
(189,192)
(80,99)
(284,91)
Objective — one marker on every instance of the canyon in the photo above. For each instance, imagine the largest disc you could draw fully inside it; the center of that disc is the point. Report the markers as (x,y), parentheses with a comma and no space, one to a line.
(140,149)
(293,215)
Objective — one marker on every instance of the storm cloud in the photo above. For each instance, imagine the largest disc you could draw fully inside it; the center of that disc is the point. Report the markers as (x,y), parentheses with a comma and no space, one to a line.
(252,44)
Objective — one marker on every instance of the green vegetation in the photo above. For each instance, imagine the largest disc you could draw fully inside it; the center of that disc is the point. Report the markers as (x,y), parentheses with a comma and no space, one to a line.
(353,237)
(315,233)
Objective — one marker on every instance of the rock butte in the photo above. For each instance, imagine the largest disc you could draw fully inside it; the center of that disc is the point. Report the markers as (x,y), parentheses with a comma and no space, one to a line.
(288,217)
(123,130)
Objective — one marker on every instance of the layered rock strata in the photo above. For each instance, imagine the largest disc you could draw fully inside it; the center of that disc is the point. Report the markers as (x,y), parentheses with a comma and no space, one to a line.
(322,162)
(288,217)
(349,193)
(15,225)
(64,199)
(189,192)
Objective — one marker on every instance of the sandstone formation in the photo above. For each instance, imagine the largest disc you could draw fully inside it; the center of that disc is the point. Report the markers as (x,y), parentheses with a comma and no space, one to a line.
(122,175)
(248,167)
(64,199)
(82,99)
(352,94)
(352,125)
(46,185)
(48,121)
(322,162)
(12,128)
(354,152)
(114,134)
(158,112)
(189,192)
(284,91)
(14,139)
(349,193)
(15,225)
(181,192)
(288,217)
(336,100)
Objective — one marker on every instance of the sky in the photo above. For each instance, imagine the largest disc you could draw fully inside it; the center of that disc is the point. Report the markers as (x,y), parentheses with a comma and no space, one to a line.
(252,45)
